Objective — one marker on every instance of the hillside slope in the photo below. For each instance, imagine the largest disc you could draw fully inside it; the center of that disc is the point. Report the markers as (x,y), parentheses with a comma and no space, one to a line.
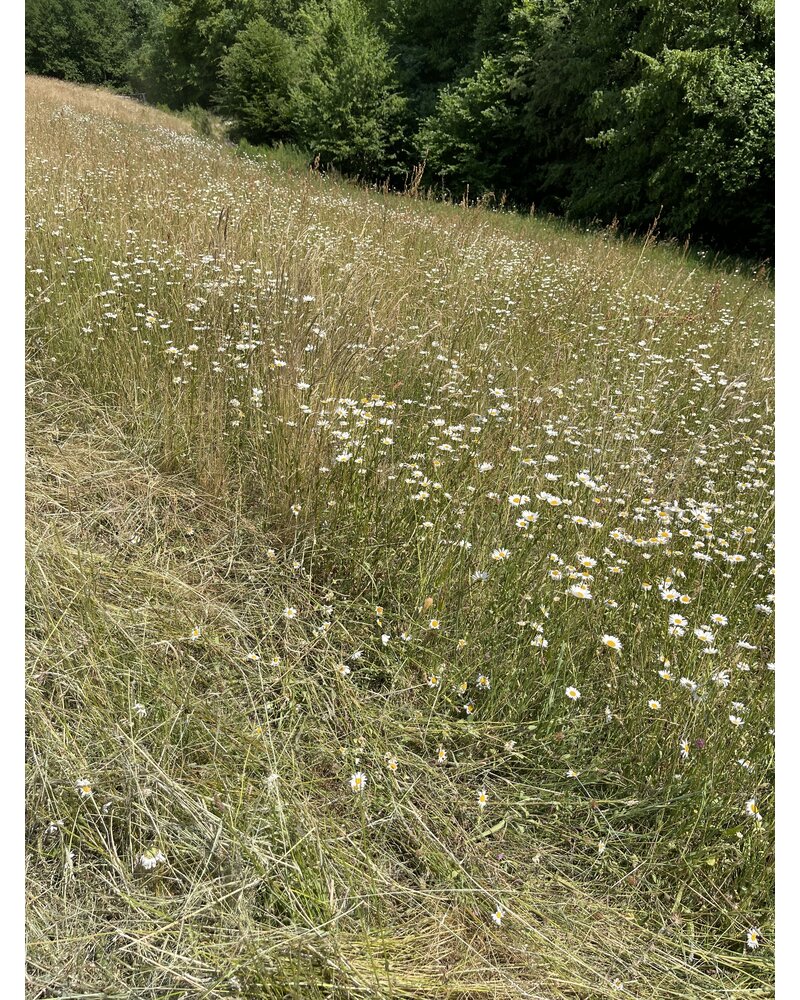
(399,590)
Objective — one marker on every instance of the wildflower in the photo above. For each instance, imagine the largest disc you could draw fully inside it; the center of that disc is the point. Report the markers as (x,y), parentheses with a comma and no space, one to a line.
(196,632)
(441,755)
(608,714)
(290,613)
(391,763)
(753,938)
(483,682)
(483,798)
(498,555)
(295,509)
(84,788)
(579,591)
(751,810)
(342,669)
(612,642)
(149,859)
(433,680)
(684,745)
(140,710)
(434,624)
(498,915)
(573,693)
(736,720)
(654,704)
(358,781)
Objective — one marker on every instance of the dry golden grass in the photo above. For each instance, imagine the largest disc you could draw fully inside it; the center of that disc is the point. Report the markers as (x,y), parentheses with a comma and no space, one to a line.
(168,280)
(48,93)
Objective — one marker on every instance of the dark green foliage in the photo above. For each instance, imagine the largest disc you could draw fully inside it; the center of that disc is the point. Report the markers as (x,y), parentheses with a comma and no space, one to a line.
(196,34)
(691,136)
(181,58)
(691,140)
(631,110)
(257,74)
(82,40)
(472,138)
(432,42)
(347,108)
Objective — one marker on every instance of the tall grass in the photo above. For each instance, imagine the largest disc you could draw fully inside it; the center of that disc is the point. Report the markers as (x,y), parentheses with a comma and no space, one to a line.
(317,476)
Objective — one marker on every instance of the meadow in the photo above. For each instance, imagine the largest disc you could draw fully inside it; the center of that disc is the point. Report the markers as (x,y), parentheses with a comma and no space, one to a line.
(400,588)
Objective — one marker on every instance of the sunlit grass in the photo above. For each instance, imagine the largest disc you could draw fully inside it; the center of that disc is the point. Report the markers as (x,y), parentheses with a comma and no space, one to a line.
(320,481)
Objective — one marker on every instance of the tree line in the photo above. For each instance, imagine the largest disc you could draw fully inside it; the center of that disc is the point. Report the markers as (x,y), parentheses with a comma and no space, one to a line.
(606,110)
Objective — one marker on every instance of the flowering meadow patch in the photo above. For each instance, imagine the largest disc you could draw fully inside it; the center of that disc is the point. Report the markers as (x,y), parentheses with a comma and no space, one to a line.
(401,588)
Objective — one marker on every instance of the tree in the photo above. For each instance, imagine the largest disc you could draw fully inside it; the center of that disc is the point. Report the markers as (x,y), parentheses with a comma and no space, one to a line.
(257,75)
(181,58)
(432,43)
(470,139)
(346,105)
(87,41)
(633,109)
(691,136)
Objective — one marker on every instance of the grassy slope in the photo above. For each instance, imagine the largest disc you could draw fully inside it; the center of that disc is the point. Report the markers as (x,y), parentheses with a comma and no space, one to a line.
(164,551)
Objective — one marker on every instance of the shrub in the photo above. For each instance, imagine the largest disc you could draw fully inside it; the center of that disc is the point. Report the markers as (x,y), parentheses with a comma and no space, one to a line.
(256,82)
(347,109)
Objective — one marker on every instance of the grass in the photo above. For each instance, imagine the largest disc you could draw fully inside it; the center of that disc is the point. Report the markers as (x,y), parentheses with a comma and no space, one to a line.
(276,424)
